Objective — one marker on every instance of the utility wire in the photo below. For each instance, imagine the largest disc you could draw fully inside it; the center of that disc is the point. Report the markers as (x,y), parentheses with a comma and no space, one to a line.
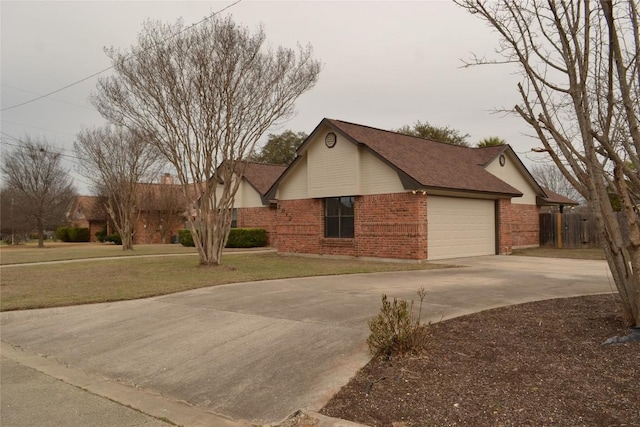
(111,67)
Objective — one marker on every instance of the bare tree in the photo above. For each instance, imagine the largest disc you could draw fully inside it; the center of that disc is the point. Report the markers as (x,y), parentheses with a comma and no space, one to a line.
(580,90)
(549,176)
(37,183)
(115,161)
(204,96)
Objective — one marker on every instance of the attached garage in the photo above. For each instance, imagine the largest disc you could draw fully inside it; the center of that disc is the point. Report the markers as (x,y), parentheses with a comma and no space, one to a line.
(460,227)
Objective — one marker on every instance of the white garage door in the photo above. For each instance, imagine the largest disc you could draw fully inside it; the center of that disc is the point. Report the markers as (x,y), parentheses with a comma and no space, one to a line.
(460,227)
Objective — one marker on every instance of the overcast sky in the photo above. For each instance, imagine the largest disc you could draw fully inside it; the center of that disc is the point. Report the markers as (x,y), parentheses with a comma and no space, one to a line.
(385,64)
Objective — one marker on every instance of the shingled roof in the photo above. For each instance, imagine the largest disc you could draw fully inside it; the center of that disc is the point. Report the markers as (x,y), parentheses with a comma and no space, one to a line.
(554,198)
(87,207)
(262,176)
(427,164)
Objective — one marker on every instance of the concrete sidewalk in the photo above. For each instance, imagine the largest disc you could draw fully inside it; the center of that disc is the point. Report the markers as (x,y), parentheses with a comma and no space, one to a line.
(256,352)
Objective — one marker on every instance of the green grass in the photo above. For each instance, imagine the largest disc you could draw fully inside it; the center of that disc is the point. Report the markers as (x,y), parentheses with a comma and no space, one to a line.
(595,253)
(93,281)
(53,251)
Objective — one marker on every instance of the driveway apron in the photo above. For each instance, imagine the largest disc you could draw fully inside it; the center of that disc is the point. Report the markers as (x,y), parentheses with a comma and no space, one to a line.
(255,352)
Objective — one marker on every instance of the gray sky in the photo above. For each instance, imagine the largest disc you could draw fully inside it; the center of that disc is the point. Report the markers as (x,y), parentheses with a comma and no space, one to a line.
(385,64)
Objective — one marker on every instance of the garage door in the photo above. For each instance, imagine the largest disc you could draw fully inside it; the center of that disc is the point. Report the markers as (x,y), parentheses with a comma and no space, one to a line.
(460,227)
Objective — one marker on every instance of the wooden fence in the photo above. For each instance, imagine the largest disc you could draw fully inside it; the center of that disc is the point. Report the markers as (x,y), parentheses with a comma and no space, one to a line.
(569,230)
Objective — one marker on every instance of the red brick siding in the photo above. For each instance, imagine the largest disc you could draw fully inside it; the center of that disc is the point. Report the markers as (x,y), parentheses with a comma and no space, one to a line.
(391,226)
(525,229)
(260,217)
(505,223)
(386,226)
(300,226)
(151,234)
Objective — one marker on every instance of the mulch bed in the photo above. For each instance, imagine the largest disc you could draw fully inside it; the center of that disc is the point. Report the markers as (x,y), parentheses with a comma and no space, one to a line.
(536,364)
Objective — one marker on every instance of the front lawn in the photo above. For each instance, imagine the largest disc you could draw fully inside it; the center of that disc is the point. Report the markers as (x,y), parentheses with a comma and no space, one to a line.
(58,251)
(93,281)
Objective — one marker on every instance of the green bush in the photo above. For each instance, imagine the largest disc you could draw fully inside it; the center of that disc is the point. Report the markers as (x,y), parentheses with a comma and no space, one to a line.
(395,328)
(102,234)
(63,234)
(238,238)
(78,234)
(247,238)
(185,238)
(113,238)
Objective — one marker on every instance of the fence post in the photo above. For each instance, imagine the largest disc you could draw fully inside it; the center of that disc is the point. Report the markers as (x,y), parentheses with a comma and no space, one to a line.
(559,229)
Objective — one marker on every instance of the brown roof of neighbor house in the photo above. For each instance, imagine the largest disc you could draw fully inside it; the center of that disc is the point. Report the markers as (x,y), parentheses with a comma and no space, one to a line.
(161,197)
(262,176)
(429,164)
(554,198)
(89,207)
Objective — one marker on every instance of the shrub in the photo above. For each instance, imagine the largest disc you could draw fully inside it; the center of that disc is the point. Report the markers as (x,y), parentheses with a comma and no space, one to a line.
(247,238)
(63,234)
(113,238)
(395,328)
(78,234)
(185,238)
(102,234)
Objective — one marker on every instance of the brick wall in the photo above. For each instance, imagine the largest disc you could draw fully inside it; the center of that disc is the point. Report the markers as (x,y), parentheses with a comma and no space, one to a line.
(300,226)
(392,226)
(386,226)
(260,217)
(505,226)
(525,228)
(147,228)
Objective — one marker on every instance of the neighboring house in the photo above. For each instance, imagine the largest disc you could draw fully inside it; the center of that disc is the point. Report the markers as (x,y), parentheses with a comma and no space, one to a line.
(358,191)
(252,209)
(161,213)
(555,202)
(87,212)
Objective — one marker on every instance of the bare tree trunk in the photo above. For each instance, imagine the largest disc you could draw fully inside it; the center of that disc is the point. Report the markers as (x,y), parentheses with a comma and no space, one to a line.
(40,232)
(580,63)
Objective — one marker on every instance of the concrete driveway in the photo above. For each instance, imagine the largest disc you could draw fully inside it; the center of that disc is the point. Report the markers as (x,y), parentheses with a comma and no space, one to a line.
(255,352)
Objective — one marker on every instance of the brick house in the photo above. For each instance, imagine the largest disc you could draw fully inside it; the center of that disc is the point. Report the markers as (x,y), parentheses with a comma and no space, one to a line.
(87,212)
(363,192)
(161,213)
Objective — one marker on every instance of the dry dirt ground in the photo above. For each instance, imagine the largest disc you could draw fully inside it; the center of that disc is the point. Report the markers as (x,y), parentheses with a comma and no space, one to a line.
(536,364)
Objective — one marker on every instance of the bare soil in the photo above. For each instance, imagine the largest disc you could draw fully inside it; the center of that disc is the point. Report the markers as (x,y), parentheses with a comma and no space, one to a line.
(536,364)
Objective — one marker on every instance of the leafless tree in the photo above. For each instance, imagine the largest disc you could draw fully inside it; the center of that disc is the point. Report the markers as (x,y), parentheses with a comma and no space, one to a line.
(549,176)
(204,96)
(39,186)
(115,161)
(580,90)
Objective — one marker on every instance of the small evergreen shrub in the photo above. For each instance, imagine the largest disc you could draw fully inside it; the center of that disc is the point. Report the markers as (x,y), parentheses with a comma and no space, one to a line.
(185,238)
(113,238)
(247,238)
(78,234)
(395,328)
(63,234)
(102,234)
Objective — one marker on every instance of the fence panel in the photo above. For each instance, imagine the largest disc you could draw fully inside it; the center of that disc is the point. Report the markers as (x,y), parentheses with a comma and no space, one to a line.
(576,230)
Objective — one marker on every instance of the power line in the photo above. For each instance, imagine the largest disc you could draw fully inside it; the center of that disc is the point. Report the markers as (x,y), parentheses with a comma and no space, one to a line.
(111,67)
(86,107)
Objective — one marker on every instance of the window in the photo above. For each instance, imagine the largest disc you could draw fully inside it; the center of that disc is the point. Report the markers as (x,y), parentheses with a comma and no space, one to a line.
(338,217)
(234,218)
